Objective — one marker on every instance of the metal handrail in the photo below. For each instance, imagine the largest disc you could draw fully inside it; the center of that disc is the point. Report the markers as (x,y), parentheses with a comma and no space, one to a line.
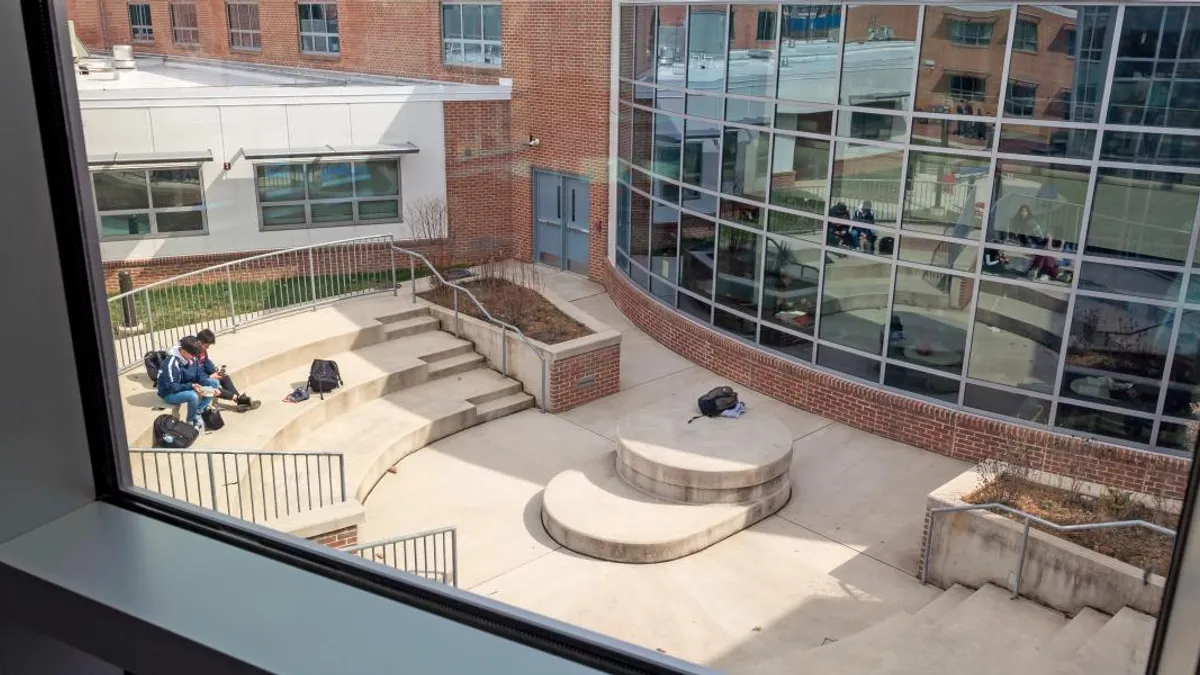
(436,557)
(504,326)
(1029,520)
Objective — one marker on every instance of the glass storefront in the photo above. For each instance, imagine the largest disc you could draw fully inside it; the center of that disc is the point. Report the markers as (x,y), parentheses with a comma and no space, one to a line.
(987,206)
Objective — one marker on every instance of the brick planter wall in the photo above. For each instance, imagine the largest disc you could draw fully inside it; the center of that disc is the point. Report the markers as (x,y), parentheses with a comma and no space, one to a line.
(939,429)
(579,379)
(342,538)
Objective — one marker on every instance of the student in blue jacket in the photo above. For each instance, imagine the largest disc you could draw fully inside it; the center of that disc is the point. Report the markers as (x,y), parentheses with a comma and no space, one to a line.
(182,380)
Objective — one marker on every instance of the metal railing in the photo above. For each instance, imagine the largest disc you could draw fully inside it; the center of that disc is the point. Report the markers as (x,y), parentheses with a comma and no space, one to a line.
(242,292)
(1030,519)
(432,554)
(251,485)
(504,327)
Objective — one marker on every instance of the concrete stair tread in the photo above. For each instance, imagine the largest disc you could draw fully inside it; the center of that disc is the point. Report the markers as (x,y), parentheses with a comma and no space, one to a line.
(504,405)
(992,611)
(949,599)
(1075,634)
(1121,646)
(397,328)
(591,510)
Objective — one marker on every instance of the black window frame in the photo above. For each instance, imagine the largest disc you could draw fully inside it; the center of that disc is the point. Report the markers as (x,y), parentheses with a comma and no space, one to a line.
(962,93)
(141,22)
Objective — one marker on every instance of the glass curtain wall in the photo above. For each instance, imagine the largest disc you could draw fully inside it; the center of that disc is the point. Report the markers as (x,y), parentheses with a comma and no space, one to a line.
(988,206)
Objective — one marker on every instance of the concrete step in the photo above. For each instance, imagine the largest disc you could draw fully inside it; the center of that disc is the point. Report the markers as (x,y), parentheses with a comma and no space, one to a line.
(1009,624)
(453,365)
(1075,634)
(591,510)
(505,405)
(1120,647)
(941,605)
(861,653)
(409,326)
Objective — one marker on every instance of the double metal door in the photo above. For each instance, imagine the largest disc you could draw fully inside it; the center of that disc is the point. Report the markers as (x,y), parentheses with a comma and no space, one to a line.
(561,211)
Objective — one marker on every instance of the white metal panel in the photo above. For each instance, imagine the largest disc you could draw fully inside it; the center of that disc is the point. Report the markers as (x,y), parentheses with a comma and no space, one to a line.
(187,129)
(317,125)
(118,130)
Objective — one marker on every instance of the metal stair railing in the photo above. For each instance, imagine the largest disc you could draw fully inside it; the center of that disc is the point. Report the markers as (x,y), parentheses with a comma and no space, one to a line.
(1029,520)
(432,554)
(504,327)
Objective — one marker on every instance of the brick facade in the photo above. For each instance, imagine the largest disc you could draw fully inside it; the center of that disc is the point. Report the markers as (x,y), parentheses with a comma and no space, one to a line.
(939,429)
(343,538)
(584,378)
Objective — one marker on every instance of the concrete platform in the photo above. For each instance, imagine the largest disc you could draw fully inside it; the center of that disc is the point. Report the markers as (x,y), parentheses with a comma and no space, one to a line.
(593,511)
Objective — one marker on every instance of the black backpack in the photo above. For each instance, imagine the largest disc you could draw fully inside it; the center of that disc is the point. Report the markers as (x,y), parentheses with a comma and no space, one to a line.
(172,433)
(212,418)
(716,401)
(153,361)
(324,377)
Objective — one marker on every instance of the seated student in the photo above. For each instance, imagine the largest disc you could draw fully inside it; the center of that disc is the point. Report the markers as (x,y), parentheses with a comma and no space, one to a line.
(180,380)
(222,381)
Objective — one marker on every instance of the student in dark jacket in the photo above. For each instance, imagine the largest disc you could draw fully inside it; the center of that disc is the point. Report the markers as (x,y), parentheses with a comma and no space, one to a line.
(225,383)
(181,380)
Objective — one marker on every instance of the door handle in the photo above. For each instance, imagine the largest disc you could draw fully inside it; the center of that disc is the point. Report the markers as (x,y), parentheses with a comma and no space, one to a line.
(572,206)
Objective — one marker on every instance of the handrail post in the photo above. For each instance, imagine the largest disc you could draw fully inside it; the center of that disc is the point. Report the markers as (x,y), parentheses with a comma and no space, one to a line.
(232,307)
(212,482)
(504,351)
(455,310)
(149,316)
(454,554)
(545,401)
(1021,563)
(312,279)
(928,547)
(412,276)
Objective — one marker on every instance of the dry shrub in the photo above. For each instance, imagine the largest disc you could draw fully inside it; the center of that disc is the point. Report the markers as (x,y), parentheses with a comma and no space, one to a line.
(430,225)
(1008,470)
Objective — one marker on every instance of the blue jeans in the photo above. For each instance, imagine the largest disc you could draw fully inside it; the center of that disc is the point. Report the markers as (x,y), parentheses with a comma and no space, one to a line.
(196,403)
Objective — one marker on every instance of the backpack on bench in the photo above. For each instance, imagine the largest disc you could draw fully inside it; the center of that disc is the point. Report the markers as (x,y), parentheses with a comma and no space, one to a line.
(172,433)
(324,377)
(716,401)
(153,361)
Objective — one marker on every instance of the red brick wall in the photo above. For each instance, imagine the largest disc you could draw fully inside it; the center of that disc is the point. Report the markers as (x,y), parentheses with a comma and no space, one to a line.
(347,536)
(932,427)
(583,378)
(479,179)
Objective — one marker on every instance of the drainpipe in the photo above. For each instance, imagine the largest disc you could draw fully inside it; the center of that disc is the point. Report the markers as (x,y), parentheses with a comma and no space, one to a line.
(103,27)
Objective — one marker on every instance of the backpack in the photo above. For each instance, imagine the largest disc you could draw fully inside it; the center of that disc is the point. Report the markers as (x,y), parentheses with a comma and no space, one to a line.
(212,418)
(716,401)
(172,433)
(153,361)
(324,377)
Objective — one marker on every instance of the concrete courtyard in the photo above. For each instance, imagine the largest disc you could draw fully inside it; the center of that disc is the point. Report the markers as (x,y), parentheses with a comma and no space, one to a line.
(839,557)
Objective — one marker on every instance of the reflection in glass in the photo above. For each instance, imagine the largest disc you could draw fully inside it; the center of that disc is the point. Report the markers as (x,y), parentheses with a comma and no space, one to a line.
(694,307)
(697,245)
(879,56)
(1047,141)
(860,238)
(179,187)
(704,106)
(1006,403)
(1125,280)
(744,165)
(812,119)
(670,100)
(664,242)
(1144,148)
(1183,383)
(871,126)
(960,134)
(641,180)
(628,28)
(1038,205)
(741,212)
(139,223)
(752,45)
(786,344)
(668,138)
(741,326)
(943,196)
(1179,436)
(672,60)
(276,182)
(798,178)
(1049,267)
(921,383)
(1116,353)
(791,278)
(854,301)
(809,45)
(643,137)
(668,192)
(706,50)
(1017,336)
(938,253)
(643,44)
(624,196)
(1155,82)
(748,112)
(1104,423)
(701,155)
(1143,215)
(866,183)
(850,364)
(929,319)
(962,55)
(126,190)
(661,290)
(738,275)
(1062,76)
(639,229)
(798,227)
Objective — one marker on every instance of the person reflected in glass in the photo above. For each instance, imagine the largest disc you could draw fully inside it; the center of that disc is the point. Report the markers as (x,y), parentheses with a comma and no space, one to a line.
(995,262)
(840,210)
(1025,226)
(893,335)
(1046,267)
(864,213)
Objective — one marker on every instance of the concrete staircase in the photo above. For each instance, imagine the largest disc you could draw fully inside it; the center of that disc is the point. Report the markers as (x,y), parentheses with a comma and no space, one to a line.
(983,632)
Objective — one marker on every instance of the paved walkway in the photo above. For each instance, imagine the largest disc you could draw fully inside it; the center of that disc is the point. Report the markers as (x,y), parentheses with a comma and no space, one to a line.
(839,557)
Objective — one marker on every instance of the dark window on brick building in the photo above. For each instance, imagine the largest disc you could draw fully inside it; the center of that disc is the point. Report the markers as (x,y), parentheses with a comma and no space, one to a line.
(1026,36)
(1020,100)
(471,33)
(766,27)
(966,88)
(185,29)
(140,27)
(244,31)
(970,33)
(319,28)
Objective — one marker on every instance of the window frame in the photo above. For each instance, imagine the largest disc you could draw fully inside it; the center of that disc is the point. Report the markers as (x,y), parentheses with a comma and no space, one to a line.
(1026,99)
(178,31)
(254,34)
(461,42)
(308,201)
(964,94)
(1021,43)
(328,37)
(140,32)
(151,210)
(960,38)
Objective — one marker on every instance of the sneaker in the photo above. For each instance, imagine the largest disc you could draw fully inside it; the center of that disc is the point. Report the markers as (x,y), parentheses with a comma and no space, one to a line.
(246,404)
(198,423)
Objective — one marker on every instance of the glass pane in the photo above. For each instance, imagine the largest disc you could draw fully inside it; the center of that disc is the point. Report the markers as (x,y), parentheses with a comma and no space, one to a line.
(741,212)
(1125,280)
(962,55)
(377,178)
(491,22)
(379,210)
(921,383)
(179,221)
(639,230)
(1193,290)
(1049,268)
(798,176)
(809,44)
(643,46)
(306,43)
(672,59)
(1144,92)
(625,133)
(1176,436)
(748,112)
(879,56)
(473,53)
(668,139)
(663,291)
(643,137)
(668,192)
(669,100)
(866,183)
(1047,141)
(744,163)
(850,364)
(1006,403)
(938,253)
(120,190)
(689,305)
(123,226)
(785,343)
(624,196)
(1104,423)
(740,326)
(738,255)
(871,126)
(860,238)
(280,182)
(814,120)
(664,242)
(961,134)
(854,301)
(929,319)
(274,216)
(701,154)
(326,181)
(1038,205)
(791,279)
(706,48)
(1143,215)
(704,106)
(1062,76)
(942,195)
(1183,383)
(472,22)
(809,229)
(1169,149)
(1017,336)
(1116,353)
(752,45)
(452,21)
(336,212)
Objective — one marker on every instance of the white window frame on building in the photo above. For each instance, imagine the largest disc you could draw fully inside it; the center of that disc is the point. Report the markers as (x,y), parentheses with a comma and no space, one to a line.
(245,31)
(151,212)
(185,25)
(141,24)
(319,36)
(352,202)
(463,47)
